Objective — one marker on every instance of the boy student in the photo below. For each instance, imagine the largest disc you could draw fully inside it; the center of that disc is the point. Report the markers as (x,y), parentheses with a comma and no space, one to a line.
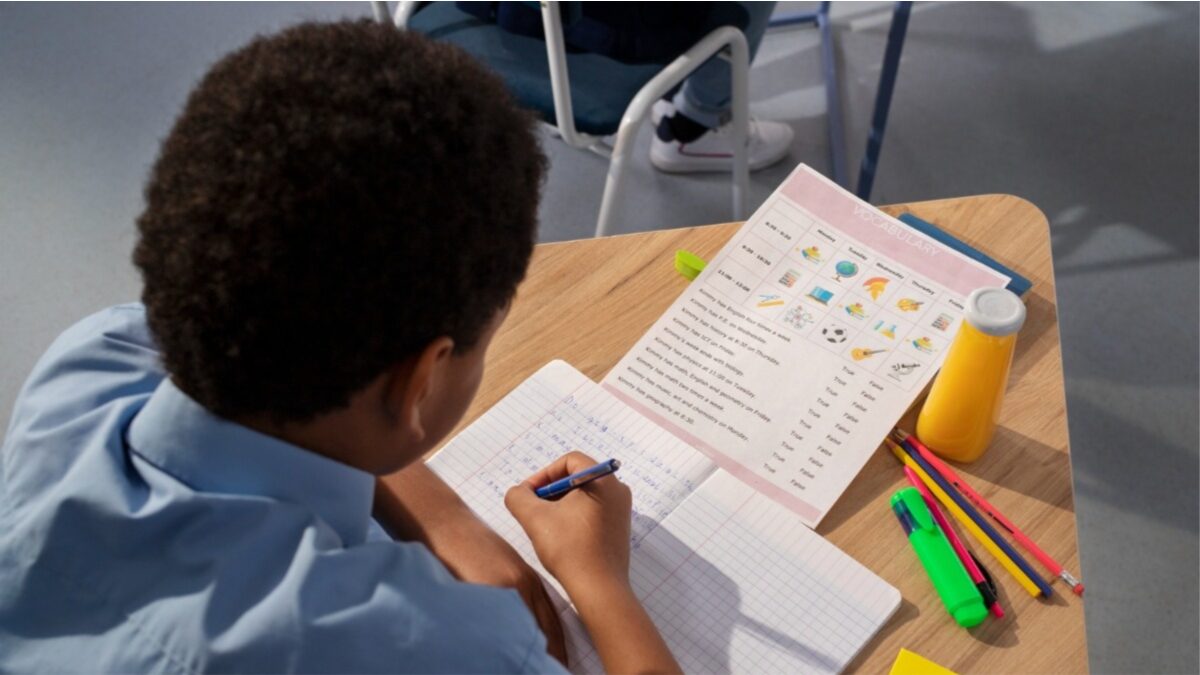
(333,232)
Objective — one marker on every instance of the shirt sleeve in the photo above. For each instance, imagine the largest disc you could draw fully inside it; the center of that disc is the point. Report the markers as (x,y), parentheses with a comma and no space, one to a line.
(386,607)
(104,357)
(538,660)
(416,618)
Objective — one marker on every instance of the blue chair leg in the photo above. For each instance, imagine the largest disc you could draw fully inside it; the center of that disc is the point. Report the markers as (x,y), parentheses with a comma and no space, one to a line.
(883,96)
(794,18)
(883,99)
(833,101)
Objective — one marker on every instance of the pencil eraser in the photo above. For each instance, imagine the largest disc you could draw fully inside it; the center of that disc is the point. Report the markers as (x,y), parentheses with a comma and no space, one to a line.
(1078,588)
(689,264)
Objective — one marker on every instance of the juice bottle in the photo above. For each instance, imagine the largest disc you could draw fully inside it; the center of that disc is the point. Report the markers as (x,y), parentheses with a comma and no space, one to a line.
(959,417)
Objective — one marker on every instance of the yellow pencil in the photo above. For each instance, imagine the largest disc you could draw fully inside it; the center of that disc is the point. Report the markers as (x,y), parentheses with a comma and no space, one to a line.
(965,520)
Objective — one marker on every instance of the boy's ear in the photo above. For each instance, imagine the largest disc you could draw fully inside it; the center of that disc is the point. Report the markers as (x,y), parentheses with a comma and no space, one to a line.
(411,384)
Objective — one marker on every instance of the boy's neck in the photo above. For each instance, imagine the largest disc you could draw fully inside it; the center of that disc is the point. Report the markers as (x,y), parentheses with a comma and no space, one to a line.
(348,435)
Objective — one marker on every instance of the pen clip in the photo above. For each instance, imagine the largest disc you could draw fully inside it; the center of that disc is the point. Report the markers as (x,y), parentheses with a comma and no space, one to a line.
(987,576)
(918,512)
(906,520)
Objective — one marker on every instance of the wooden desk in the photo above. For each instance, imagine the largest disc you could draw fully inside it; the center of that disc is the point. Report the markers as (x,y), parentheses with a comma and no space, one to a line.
(587,302)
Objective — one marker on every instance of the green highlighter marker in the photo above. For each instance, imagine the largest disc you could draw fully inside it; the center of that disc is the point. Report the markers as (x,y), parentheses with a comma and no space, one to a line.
(949,577)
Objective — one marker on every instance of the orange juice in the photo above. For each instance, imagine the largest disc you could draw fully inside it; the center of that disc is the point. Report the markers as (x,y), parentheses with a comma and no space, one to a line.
(959,417)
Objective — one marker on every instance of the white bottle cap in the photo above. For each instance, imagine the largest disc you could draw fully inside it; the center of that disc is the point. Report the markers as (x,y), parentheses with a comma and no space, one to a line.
(995,311)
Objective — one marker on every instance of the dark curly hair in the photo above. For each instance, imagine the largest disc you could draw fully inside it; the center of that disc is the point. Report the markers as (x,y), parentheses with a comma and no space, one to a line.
(331,199)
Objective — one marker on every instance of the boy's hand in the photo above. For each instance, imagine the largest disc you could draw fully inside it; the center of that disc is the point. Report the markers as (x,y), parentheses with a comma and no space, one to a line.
(583,537)
(492,562)
(416,505)
(583,540)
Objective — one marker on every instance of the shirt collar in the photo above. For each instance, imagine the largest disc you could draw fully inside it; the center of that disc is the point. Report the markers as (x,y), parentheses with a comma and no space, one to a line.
(211,454)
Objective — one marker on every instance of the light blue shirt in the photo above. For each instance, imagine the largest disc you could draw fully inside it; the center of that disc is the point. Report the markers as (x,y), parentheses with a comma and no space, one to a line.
(139,533)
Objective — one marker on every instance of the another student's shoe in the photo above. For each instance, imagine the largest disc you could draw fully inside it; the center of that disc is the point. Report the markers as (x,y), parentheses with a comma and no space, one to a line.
(682,145)
(661,108)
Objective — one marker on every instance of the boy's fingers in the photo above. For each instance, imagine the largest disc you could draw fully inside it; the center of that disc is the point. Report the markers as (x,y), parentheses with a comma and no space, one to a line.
(561,468)
(519,499)
(550,473)
(610,488)
(577,461)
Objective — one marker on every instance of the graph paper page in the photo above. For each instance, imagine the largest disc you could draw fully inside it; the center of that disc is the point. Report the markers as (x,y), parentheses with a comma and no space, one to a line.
(555,411)
(736,583)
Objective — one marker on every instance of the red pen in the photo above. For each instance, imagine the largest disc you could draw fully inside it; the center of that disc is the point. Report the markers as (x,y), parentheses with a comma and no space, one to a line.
(983,505)
(968,561)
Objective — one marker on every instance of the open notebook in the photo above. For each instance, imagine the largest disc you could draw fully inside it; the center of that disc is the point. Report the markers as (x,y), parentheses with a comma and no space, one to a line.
(740,417)
(734,581)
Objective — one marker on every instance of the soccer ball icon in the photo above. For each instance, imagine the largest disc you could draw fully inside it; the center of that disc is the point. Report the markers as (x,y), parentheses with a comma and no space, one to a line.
(834,335)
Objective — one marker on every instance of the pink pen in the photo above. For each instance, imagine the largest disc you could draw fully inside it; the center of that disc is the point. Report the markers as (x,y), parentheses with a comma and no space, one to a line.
(989,597)
(983,505)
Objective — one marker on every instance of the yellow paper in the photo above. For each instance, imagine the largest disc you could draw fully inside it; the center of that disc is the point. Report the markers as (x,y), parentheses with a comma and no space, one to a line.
(912,663)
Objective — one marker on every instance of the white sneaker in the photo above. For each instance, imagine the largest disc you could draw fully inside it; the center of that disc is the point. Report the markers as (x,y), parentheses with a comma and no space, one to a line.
(767,143)
(659,110)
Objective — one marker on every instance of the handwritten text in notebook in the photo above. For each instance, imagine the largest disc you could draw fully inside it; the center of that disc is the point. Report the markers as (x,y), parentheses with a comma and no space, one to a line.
(735,582)
(547,417)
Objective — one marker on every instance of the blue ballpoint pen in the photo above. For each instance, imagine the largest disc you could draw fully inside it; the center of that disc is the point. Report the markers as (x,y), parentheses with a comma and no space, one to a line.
(562,486)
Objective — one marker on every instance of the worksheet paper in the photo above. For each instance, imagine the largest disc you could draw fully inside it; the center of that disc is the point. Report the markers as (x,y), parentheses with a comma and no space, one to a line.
(802,343)
(734,581)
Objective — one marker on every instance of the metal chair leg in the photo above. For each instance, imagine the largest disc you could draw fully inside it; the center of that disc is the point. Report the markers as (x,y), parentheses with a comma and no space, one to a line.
(724,39)
(739,68)
(833,101)
(616,173)
(883,98)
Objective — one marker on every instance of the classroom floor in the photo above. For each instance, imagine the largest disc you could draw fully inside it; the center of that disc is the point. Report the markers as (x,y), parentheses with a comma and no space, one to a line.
(1088,110)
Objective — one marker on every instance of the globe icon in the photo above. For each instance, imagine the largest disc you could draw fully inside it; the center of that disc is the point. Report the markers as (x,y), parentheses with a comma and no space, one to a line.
(845,269)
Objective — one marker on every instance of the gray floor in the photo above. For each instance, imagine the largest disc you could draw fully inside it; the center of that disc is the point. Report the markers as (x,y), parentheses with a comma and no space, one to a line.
(1088,110)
